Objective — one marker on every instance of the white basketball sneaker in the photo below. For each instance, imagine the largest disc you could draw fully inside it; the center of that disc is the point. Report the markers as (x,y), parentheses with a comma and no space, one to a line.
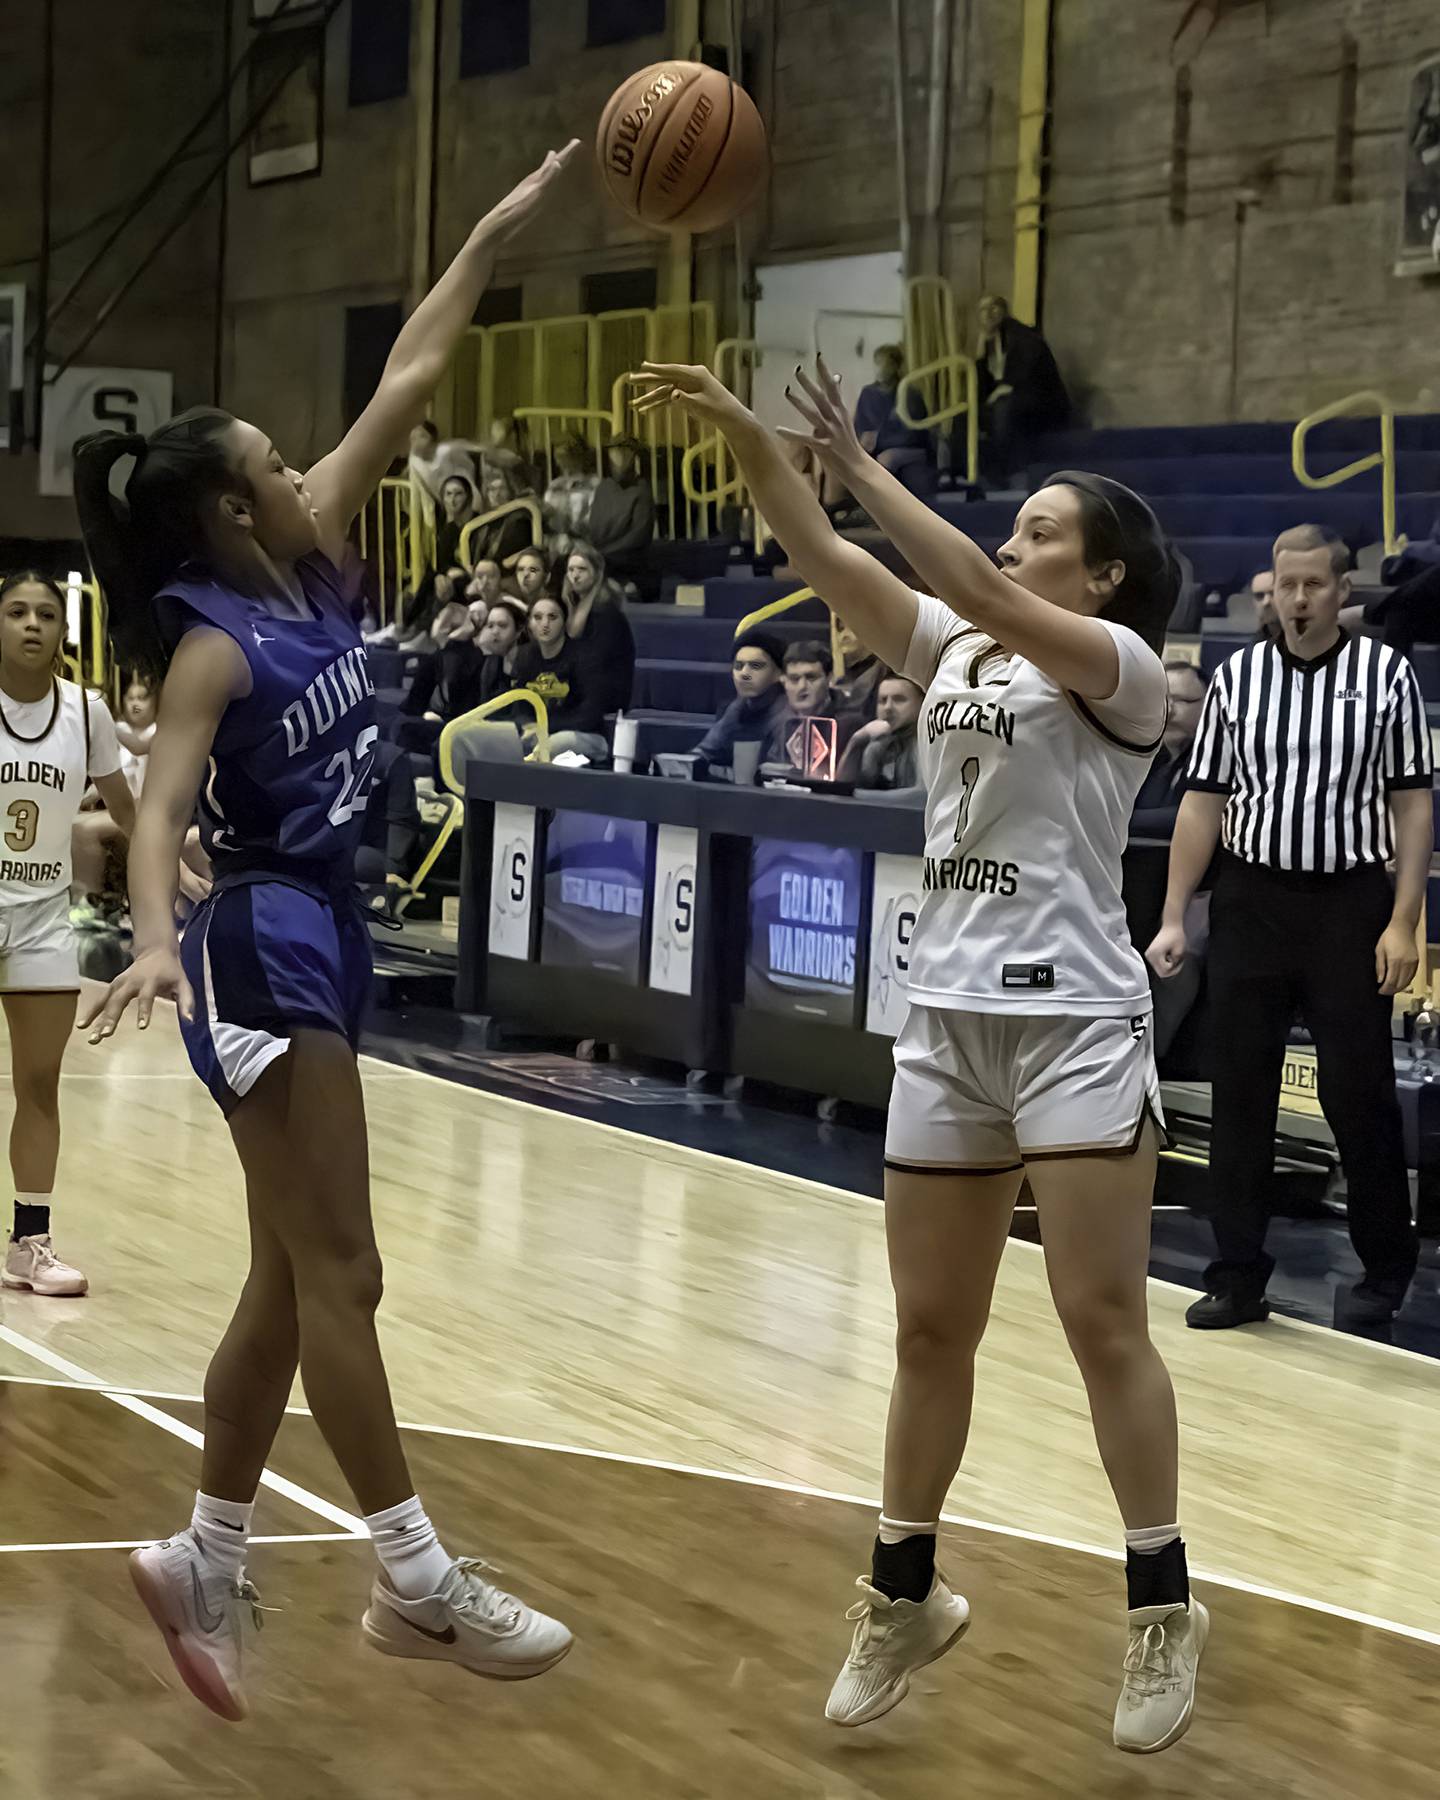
(200,1613)
(1158,1698)
(469,1622)
(31,1262)
(893,1638)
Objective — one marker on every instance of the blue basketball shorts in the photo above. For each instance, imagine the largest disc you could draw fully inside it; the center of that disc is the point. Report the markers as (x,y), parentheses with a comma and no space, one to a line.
(265,959)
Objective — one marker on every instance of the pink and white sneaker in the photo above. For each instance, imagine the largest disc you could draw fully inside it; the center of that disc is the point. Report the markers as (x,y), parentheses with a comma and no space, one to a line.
(31,1262)
(200,1613)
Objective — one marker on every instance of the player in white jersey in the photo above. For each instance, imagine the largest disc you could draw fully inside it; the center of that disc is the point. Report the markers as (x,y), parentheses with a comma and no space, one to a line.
(54,738)
(1027,1050)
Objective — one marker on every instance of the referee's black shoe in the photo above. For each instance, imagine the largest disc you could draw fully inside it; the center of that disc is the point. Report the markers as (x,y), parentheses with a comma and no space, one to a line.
(1218,1312)
(1367,1305)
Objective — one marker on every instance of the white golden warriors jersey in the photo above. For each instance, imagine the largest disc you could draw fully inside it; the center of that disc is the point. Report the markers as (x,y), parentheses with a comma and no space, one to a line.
(49,749)
(1030,795)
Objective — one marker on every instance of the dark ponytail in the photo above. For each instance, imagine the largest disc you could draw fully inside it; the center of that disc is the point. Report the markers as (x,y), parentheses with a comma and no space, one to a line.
(1118,526)
(137,541)
(25,577)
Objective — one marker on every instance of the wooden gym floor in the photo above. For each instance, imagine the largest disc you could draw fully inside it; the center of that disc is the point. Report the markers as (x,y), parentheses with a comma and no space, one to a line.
(649,1385)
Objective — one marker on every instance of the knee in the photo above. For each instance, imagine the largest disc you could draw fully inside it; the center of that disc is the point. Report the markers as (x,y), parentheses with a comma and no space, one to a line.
(38,1091)
(928,1340)
(1104,1330)
(351,1282)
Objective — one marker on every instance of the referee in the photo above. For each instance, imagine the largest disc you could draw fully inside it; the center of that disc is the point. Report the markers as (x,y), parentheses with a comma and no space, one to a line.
(1313,759)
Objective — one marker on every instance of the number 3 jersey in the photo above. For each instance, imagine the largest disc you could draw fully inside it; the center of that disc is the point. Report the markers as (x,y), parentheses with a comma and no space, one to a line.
(1030,794)
(291,764)
(49,749)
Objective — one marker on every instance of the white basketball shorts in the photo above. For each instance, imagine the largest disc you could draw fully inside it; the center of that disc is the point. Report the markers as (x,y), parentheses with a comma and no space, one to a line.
(37,947)
(982,1093)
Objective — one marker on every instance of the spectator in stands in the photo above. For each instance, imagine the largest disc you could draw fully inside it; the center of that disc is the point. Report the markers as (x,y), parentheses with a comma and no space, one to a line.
(135,729)
(553,666)
(450,616)
(622,515)
(482,590)
(806,672)
(1262,592)
(596,608)
(567,499)
(1021,390)
(863,671)
(894,444)
(530,575)
(464,675)
(885,754)
(1410,613)
(391,831)
(502,539)
(1157,805)
(457,500)
(758,706)
(430,461)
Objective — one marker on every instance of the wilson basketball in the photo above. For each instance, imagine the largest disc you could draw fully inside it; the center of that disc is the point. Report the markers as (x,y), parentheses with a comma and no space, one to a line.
(681,147)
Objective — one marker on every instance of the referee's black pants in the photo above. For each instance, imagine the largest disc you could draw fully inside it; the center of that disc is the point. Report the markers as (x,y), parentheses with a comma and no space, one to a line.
(1283,943)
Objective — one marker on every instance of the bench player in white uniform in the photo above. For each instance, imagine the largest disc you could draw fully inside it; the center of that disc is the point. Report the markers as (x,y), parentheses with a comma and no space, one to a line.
(54,738)
(1027,1047)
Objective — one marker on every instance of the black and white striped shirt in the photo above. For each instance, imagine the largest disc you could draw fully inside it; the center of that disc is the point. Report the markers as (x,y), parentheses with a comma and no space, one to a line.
(1309,751)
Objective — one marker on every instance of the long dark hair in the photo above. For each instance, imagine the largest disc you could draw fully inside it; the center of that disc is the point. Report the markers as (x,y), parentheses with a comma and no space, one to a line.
(1116,525)
(137,541)
(24,578)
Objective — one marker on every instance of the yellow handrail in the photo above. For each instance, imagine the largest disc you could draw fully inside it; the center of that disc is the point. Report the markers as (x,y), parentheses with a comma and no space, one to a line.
(945,370)
(1361,404)
(783,605)
(524,503)
(414,888)
(403,522)
(522,696)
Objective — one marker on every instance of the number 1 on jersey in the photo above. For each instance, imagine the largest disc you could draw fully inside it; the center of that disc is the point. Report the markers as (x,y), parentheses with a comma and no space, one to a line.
(969,781)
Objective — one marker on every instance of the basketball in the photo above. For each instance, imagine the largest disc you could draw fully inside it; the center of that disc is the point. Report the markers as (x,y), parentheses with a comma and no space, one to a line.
(681,147)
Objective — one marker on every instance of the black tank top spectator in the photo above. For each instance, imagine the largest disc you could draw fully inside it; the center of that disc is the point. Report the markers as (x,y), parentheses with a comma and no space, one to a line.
(555,667)
(598,624)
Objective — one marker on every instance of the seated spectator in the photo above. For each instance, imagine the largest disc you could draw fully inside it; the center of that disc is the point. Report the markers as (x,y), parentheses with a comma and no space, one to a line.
(431,461)
(450,613)
(1157,805)
(464,675)
(503,539)
(806,672)
(862,674)
(135,728)
(880,428)
(1410,614)
(480,593)
(457,500)
(622,514)
(530,575)
(758,705)
(567,499)
(1022,393)
(553,666)
(885,754)
(598,625)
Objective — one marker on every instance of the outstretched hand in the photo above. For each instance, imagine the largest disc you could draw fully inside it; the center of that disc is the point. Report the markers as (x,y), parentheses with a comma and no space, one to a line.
(692,388)
(832,430)
(154,975)
(529,197)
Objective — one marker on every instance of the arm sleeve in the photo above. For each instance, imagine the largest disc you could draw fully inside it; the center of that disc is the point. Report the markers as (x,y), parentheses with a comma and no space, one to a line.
(1408,762)
(935,627)
(1137,709)
(104,745)
(1211,768)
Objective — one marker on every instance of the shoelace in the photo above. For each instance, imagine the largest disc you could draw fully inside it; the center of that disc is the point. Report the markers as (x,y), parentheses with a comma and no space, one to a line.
(872,1635)
(1148,1662)
(44,1255)
(245,1592)
(491,1606)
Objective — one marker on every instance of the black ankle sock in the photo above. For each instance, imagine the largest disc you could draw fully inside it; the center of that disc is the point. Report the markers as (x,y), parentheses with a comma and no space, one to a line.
(904,1571)
(31,1221)
(1158,1580)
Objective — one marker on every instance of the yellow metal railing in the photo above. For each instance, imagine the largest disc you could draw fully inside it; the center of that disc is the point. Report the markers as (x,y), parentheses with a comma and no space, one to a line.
(787,603)
(397,538)
(1362,405)
(414,888)
(956,391)
(515,696)
(526,503)
(932,325)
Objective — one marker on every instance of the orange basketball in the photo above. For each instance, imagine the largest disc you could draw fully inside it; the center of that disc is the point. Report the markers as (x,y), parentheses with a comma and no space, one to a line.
(681,147)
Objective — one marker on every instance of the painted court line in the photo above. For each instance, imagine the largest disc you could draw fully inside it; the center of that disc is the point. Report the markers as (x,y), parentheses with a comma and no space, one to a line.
(1278,1322)
(294,1537)
(142,1409)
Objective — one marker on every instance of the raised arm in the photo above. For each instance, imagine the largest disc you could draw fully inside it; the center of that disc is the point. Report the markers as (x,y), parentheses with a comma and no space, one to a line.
(207,672)
(1076,652)
(341,482)
(874,602)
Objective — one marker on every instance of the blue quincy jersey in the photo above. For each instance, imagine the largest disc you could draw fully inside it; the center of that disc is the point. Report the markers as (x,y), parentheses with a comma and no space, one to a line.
(291,764)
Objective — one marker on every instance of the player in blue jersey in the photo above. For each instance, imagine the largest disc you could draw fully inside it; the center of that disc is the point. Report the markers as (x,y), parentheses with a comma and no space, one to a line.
(220,568)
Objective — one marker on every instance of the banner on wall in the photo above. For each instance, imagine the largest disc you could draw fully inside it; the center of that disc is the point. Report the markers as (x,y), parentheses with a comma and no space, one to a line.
(594,893)
(895,902)
(804,926)
(1420,215)
(672,928)
(80,401)
(512,880)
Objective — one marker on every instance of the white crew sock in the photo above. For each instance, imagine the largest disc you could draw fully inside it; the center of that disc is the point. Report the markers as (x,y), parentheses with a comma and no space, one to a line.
(223,1530)
(411,1555)
(1151,1539)
(895,1531)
